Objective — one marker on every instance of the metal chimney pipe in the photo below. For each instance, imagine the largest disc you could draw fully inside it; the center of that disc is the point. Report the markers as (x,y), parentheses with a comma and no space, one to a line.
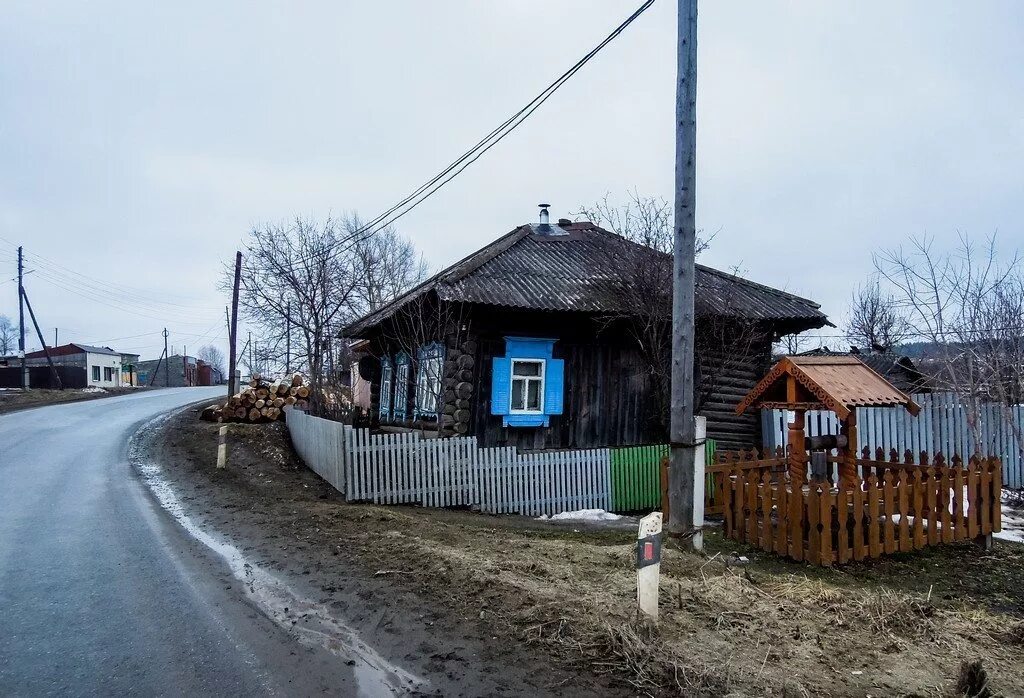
(543,213)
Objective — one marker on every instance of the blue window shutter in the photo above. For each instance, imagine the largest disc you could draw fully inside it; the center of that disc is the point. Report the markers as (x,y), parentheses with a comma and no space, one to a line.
(501,377)
(554,386)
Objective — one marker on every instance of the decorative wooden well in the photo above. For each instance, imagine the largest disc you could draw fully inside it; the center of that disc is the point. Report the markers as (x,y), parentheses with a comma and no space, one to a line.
(877,505)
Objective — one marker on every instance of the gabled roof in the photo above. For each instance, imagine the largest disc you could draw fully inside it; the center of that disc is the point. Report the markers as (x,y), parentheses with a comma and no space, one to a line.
(72,349)
(576,267)
(837,383)
(896,368)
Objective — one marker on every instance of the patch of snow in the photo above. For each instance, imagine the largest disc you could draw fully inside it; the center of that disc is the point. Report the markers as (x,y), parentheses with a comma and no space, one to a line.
(1013,523)
(93,389)
(582,515)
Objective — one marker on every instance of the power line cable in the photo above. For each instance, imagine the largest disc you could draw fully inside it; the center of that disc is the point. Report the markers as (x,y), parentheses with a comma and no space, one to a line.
(431,186)
(112,304)
(140,297)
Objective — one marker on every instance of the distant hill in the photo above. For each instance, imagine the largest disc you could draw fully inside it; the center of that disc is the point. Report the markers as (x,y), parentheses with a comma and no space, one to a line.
(917,350)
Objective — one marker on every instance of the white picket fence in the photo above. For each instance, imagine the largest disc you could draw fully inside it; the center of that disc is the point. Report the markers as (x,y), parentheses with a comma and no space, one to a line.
(942,425)
(405,468)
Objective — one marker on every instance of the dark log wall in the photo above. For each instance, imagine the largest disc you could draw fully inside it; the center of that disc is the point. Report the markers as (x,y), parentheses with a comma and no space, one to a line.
(608,386)
(606,400)
(731,378)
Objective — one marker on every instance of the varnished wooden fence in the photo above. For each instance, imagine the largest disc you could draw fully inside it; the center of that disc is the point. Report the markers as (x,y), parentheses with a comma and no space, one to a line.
(900,505)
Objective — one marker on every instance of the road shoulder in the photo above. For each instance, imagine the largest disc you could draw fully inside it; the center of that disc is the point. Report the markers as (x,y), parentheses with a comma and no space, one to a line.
(370,567)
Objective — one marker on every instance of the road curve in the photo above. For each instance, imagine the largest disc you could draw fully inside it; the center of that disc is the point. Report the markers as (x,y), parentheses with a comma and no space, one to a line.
(102,593)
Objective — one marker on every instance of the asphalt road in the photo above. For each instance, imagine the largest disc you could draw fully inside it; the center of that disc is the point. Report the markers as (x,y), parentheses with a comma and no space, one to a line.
(102,593)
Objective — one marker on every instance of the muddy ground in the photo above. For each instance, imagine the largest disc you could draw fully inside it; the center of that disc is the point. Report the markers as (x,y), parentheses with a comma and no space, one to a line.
(488,605)
(13,400)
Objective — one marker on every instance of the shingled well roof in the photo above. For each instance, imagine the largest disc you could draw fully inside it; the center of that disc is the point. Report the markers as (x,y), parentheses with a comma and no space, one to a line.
(576,267)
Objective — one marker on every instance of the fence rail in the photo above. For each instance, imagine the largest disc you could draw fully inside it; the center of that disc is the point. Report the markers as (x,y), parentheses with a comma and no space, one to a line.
(943,425)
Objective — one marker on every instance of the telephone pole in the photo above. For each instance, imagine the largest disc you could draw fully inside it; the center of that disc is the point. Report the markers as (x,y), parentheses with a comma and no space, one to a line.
(233,329)
(167,361)
(21,319)
(685,515)
(288,338)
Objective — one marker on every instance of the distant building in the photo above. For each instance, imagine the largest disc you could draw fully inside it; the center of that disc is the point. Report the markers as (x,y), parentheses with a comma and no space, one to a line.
(209,374)
(128,368)
(175,372)
(102,365)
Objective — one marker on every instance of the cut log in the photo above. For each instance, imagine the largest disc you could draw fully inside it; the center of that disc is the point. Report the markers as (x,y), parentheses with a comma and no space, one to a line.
(464,390)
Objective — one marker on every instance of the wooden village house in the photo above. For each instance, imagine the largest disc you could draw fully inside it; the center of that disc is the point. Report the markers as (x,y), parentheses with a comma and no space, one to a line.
(541,340)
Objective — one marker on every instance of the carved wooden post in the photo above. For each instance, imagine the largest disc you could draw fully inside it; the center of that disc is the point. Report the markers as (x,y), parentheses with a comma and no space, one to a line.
(797,450)
(848,453)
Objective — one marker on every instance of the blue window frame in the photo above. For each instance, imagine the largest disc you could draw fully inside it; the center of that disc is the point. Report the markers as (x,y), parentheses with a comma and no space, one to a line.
(386,387)
(429,371)
(402,367)
(527,384)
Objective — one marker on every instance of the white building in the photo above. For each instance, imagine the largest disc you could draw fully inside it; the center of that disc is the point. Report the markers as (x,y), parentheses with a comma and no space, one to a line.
(102,364)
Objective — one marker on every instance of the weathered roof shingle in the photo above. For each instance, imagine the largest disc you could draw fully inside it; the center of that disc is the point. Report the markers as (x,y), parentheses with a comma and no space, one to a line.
(576,267)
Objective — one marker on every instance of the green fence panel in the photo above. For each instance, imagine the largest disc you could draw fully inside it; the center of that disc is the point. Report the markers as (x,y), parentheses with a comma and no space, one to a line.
(636,476)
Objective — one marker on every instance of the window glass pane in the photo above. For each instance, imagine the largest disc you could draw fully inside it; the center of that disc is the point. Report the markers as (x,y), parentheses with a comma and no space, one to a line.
(526,368)
(533,395)
(518,394)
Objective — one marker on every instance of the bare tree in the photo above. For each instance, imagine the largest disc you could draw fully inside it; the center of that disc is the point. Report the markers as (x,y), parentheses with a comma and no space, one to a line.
(645,220)
(387,262)
(213,356)
(791,344)
(876,320)
(8,336)
(307,279)
(642,302)
(968,304)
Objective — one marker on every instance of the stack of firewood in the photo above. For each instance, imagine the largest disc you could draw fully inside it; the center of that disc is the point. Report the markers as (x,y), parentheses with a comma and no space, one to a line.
(261,401)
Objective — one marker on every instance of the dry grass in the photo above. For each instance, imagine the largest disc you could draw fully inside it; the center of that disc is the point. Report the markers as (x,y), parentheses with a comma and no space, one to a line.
(728,629)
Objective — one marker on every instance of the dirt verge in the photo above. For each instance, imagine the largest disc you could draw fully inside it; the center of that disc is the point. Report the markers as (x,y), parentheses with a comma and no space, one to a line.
(15,400)
(506,605)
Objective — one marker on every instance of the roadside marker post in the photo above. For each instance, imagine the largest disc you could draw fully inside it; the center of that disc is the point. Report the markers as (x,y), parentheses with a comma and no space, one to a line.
(222,446)
(648,564)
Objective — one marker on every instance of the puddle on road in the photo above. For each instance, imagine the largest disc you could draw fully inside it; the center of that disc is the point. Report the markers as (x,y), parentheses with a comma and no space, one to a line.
(311,622)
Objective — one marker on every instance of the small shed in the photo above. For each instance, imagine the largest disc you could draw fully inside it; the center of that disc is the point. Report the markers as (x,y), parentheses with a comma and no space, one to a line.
(839,384)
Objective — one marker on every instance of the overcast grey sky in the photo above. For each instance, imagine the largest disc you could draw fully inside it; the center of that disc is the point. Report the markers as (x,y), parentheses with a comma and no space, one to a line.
(139,141)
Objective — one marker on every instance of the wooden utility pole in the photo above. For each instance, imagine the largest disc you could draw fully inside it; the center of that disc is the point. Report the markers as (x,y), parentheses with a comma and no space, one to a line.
(683,488)
(167,363)
(21,319)
(233,330)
